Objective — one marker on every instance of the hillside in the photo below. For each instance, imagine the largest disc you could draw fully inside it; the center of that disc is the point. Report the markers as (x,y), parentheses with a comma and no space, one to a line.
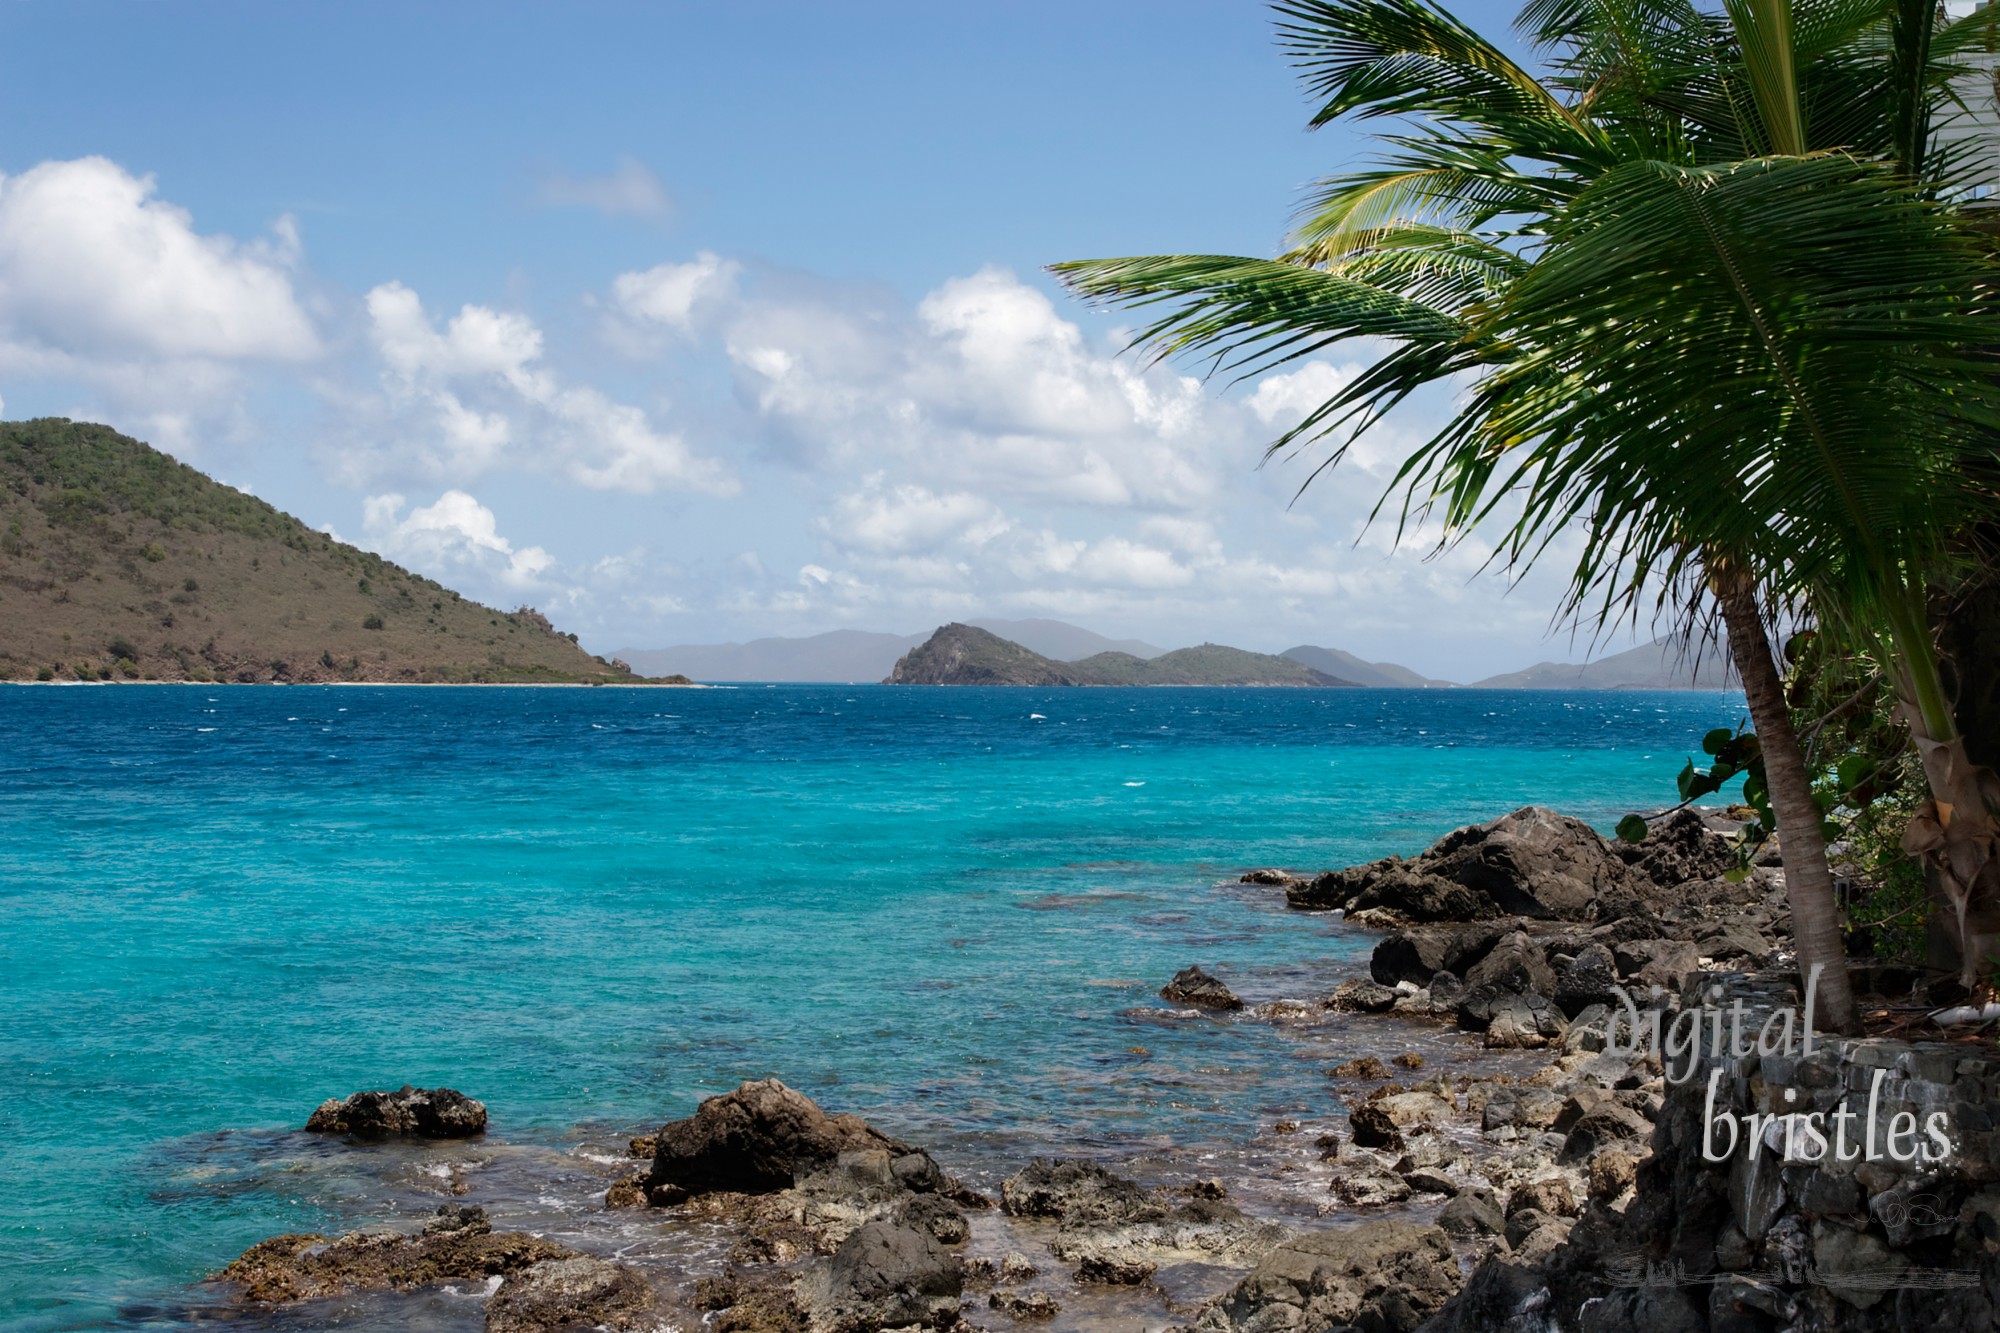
(118,563)
(1660,665)
(965,655)
(1375,675)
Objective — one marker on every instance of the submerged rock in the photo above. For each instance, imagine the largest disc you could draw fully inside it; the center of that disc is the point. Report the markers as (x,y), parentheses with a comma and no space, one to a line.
(1193,986)
(1076,1191)
(763,1136)
(565,1294)
(459,1243)
(408,1112)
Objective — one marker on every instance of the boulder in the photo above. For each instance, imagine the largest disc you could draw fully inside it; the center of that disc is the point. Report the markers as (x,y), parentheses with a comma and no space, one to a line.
(758,1140)
(1533,862)
(1361,997)
(1077,1192)
(1679,850)
(1609,1125)
(1034,1305)
(1586,980)
(575,1293)
(1550,1195)
(1370,1127)
(457,1244)
(1105,1271)
(883,1276)
(1387,1276)
(1472,1213)
(1193,986)
(1734,938)
(408,1112)
(1524,1022)
(1417,954)
(1659,962)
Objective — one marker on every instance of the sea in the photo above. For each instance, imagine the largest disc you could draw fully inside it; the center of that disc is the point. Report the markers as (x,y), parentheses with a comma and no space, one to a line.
(948,910)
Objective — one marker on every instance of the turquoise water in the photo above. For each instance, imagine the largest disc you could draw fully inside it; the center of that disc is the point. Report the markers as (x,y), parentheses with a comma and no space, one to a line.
(946,909)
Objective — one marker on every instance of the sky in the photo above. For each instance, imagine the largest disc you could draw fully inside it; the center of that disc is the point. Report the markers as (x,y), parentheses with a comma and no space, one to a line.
(691,323)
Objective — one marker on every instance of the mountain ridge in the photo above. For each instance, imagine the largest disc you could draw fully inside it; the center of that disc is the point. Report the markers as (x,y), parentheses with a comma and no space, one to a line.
(958,654)
(120,563)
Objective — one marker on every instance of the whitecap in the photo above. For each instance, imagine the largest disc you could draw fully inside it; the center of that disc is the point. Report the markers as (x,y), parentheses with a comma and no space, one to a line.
(1042,716)
(1135,784)
(204,728)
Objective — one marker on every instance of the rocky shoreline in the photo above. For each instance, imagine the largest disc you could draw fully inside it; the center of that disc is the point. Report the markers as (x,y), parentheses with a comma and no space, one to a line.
(1566,1191)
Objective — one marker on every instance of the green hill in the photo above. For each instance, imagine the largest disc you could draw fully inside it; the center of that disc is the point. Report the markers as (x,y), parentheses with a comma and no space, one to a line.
(118,563)
(966,655)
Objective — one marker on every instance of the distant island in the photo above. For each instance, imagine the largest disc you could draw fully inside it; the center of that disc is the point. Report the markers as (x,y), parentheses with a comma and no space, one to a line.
(967,655)
(118,563)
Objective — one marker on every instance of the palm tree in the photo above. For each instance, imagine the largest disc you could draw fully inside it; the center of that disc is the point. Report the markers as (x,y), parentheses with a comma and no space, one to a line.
(1733,353)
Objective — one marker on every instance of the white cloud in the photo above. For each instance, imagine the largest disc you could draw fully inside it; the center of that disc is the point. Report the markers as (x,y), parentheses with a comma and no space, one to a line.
(456,534)
(893,520)
(488,399)
(985,387)
(92,264)
(631,190)
(670,293)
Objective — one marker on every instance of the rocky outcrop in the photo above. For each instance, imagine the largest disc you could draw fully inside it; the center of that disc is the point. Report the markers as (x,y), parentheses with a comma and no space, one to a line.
(884,1276)
(408,1112)
(459,1243)
(1118,1232)
(1533,862)
(571,1294)
(1385,1275)
(760,1138)
(1193,986)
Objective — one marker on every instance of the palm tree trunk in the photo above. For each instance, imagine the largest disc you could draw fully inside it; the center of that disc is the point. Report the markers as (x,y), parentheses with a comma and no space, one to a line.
(1808,878)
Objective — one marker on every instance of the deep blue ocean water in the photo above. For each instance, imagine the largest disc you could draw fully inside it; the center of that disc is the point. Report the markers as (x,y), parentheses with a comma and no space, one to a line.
(949,910)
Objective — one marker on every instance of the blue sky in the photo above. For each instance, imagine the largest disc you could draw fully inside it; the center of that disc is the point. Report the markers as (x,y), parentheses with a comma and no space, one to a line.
(698,322)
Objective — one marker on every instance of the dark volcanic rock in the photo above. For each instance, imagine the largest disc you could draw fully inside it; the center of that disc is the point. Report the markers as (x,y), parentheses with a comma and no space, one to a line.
(885,1276)
(1472,1213)
(1533,862)
(1361,997)
(458,1244)
(757,1139)
(1077,1192)
(1193,986)
(565,1294)
(1679,850)
(1386,1276)
(1585,980)
(1418,953)
(408,1112)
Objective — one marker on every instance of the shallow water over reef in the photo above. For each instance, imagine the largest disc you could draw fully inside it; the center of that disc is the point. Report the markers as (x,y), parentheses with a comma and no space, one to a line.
(589,908)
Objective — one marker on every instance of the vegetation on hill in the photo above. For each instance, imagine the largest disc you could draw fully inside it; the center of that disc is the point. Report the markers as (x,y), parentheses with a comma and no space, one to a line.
(118,563)
(966,655)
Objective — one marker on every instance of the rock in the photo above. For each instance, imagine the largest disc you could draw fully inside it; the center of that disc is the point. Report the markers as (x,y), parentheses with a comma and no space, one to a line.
(1533,862)
(1270,877)
(1679,850)
(1657,1309)
(1472,1213)
(627,1192)
(758,1140)
(1386,1276)
(1586,980)
(1607,1126)
(1499,1297)
(1366,1066)
(1417,954)
(1839,1252)
(577,1293)
(1427,1180)
(303,1267)
(1524,1022)
(1548,1195)
(1734,938)
(883,1276)
(1515,963)
(1105,1271)
(1661,963)
(1322,893)
(932,1214)
(1408,1060)
(1539,1242)
(1611,1173)
(1370,1127)
(1077,1192)
(1025,1305)
(1361,997)
(1366,1188)
(1193,986)
(408,1112)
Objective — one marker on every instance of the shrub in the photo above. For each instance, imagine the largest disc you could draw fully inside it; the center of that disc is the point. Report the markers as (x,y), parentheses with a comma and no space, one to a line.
(189,585)
(372,622)
(46,673)
(154,552)
(122,647)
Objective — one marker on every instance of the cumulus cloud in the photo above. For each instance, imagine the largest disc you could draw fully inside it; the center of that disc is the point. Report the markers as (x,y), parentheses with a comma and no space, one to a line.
(983,386)
(630,190)
(481,383)
(895,520)
(93,264)
(454,535)
(669,294)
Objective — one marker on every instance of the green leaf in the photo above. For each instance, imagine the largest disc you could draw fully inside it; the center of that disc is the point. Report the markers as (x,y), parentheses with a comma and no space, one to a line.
(1715,740)
(1738,875)
(1852,771)
(1632,828)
